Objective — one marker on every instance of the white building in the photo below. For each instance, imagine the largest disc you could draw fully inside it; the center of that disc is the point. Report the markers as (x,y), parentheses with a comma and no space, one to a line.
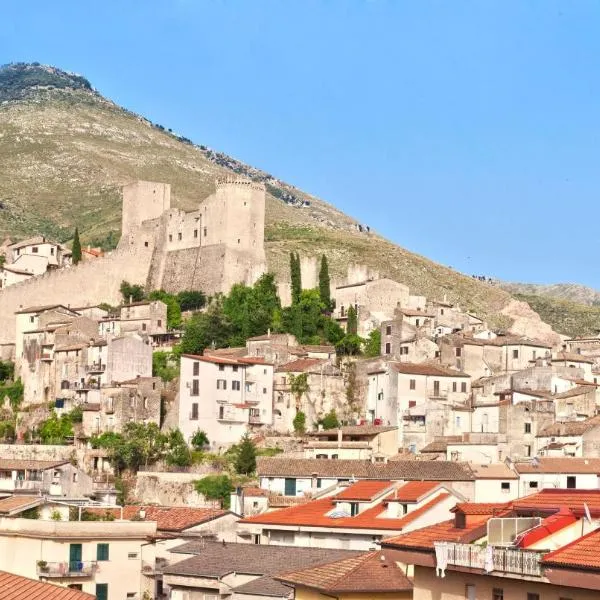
(224,397)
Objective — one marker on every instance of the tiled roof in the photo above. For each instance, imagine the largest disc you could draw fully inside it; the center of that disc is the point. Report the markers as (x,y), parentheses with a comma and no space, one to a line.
(576,391)
(263,586)
(551,500)
(300,365)
(565,465)
(413,491)
(581,553)
(15,587)
(572,357)
(423,539)
(217,560)
(222,360)
(16,504)
(441,444)
(481,508)
(535,393)
(569,428)
(411,312)
(501,340)
(9,464)
(355,430)
(255,491)
(168,518)
(493,471)
(36,309)
(316,514)
(364,490)
(409,470)
(431,369)
(373,572)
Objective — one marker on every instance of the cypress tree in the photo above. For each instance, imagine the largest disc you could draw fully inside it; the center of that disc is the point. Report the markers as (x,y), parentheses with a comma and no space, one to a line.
(296,277)
(324,283)
(352,323)
(245,462)
(76,251)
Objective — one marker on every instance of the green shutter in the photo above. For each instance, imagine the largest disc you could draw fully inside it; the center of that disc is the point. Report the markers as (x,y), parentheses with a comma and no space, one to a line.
(102,552)
(102,591)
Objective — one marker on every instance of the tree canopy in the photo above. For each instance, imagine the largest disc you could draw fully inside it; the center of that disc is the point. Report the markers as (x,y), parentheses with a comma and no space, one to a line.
(76,249)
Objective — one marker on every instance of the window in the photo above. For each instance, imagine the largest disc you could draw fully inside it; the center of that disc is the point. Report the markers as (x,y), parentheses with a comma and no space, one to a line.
(194,415)
(170,238)
(404,350)
(31,319)
(145,403)
(235,368)
(179,236)
(458,421)
(388,348)
(527,427)
(221,384)
(388,330)
(412,384)
(132,555)
(132,402)
(533,484)
(458,352)
(515,353)
(505,486)
(235,385)
(195,233)
(196,369)
(463,387)
(571,482)
(35,249)
(319,482)
(353,509)
(102,591)
(102,552)
(205,232)
(264,390)
(131,594)
(159,323)
(75,477)
(454,386)
(533,596)
(470,592)
(143,326)
(497,594)
(436,388)
(527,450)
(256,537)
(51,251)
(221,367)
(195,387)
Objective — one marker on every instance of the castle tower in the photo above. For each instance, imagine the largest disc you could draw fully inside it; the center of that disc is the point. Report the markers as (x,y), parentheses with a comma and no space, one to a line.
(142,201)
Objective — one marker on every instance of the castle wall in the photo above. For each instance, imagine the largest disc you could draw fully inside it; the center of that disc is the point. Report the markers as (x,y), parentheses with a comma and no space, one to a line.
(85,284)
(142,201)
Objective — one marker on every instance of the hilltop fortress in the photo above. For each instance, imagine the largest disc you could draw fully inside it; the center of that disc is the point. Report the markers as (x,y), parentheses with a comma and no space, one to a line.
(210,249)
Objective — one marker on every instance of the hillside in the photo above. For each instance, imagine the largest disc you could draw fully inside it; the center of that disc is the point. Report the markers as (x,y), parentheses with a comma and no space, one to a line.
(573,292)
(65,151)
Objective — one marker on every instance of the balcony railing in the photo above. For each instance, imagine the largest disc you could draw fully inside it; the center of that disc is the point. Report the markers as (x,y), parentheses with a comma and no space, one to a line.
(504,560)
(254,419)
(66,569)
(95,368)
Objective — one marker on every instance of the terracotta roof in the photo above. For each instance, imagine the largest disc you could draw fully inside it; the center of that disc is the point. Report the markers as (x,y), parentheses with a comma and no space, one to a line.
(33,241)
(300,365)
(364,490)
(411,312)
(413,491)
(437,470)
(8,464)
(15,587)
(16,504)
(216,560)
(572,357)
(355,430)
(535,393)
(576,391)
(423,539)
(222,360)
(431,369)
(501,340)
(441,444)
(481,508)
(318,348)
(581,553)
(493,471)
(168,518)
(566,465)
(569,428)
(255,491)
(368,573)
(16,271)
(321,513)
(36,309)
(551,500)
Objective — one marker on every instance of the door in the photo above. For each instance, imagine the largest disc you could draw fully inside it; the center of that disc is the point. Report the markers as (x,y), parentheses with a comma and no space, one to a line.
(571,482)
(290,487)
(75,564)
(436,388)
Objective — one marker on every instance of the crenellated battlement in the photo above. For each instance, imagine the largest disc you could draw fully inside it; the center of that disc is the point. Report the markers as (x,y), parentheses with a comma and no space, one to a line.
(239,181)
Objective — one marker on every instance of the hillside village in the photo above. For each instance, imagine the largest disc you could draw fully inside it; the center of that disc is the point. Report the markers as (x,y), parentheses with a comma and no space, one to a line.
(180,423)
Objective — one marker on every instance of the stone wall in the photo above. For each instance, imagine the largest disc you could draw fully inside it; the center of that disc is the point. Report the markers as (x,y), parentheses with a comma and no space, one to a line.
(172,489)
(36,452)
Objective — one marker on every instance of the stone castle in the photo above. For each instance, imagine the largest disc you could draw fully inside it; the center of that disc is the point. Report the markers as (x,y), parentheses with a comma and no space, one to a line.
(210,249)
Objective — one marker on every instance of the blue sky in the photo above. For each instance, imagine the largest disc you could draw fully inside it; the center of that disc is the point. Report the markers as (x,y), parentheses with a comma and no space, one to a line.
(464,131)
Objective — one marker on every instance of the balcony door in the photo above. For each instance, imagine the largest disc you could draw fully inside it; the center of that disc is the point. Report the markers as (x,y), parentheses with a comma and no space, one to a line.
(75,553)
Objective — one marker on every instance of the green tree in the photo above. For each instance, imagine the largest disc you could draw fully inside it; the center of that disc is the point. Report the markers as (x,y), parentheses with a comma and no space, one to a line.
(200,440)
(191,300)
(133,293)
(7,370)
(245,462)
(173,307)
(373,344)
(177,453)
(305,319)
(76,249)
(55,429)
(216,487)
(298,387)
(164,365)
(325,283)
(299,423)
(330,420)
(296,277)
(352,322)
(349,345)
(206,329)
(332,331)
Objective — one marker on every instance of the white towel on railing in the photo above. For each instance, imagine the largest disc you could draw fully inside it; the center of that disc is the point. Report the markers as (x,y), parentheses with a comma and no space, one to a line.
(441,558)
(488,564)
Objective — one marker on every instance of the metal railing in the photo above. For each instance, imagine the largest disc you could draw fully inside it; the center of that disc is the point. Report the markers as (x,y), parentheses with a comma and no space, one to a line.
(95,368)
(254,419)
(504,560)
(66,568)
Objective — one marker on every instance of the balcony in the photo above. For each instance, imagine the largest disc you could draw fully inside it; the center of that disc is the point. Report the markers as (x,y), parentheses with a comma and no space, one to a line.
(46,356)
(13,485)
(66,569)
(254,419)
(503,560)
(95,368)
